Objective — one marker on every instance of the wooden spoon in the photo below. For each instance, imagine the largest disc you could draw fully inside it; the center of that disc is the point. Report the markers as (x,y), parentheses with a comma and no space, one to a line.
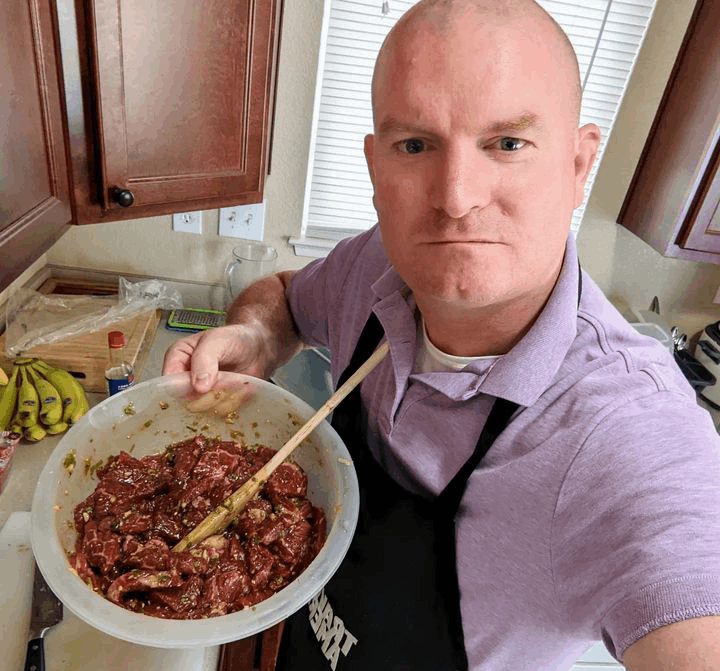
(232,506)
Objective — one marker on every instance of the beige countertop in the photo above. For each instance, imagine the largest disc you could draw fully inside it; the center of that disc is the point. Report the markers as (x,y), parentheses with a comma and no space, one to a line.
(73,644)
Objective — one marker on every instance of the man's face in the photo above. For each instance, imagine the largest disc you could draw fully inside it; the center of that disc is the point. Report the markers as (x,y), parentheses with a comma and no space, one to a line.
(474,165)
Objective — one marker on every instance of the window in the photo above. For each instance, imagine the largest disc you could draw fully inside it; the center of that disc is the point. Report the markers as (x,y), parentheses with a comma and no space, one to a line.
(606,35)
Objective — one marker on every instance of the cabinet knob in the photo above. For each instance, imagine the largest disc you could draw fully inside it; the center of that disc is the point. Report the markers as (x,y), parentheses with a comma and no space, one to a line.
(123,197)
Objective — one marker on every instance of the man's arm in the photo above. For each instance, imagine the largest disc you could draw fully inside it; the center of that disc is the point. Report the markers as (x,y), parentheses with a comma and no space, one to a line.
(690,645)
(260,336)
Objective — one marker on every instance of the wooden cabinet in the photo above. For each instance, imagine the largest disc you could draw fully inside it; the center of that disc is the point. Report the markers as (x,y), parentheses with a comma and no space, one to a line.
(34,187)
(673,199)
(123,109)
(169,103)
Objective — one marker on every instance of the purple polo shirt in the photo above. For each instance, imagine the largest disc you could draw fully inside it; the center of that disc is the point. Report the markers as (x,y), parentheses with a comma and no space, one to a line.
(595,515)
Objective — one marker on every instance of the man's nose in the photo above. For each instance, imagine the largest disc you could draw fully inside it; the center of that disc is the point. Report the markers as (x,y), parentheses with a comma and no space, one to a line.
(462,182)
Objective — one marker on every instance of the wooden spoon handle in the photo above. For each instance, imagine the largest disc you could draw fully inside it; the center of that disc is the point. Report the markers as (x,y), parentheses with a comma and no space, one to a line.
(232,506)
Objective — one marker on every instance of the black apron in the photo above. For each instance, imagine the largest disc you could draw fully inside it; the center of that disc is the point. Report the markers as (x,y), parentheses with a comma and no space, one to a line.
(394,603)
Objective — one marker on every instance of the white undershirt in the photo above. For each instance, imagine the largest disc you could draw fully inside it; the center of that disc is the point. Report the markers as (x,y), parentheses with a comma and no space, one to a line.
(430,359)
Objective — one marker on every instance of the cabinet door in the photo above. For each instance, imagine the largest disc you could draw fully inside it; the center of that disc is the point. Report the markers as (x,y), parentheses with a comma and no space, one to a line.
(703,231)
(34,191)
(183,95)
(674,192)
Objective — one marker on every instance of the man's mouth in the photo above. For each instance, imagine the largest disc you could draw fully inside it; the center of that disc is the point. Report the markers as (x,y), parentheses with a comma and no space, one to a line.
(464,242)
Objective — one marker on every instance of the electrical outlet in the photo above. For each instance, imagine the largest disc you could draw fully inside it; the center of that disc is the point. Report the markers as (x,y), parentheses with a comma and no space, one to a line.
(243,221)
(188,222)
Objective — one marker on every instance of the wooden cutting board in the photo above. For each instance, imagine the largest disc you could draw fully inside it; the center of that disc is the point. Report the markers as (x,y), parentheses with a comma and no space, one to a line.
(86,355)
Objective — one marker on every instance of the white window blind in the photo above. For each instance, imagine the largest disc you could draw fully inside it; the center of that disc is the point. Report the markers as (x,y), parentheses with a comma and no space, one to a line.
(606,36)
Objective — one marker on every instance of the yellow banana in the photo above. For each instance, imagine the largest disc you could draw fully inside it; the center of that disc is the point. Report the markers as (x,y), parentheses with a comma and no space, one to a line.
(3,378)
(28,403)
(56,428)
(34,433)
(77,411)
(51,408)
(8,400)
(71,393)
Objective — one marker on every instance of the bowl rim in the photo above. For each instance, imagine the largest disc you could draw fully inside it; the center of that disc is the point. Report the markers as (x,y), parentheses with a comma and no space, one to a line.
(151,631)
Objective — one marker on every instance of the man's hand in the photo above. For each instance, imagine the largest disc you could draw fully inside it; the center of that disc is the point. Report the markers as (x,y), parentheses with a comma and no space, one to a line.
(237,347)
(690,645)
(260,336)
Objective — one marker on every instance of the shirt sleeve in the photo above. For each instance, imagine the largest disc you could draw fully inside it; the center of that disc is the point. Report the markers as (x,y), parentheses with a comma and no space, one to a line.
(636,534)
(315,291)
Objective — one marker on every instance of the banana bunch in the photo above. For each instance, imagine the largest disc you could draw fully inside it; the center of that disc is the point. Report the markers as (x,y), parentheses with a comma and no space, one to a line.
(38,399)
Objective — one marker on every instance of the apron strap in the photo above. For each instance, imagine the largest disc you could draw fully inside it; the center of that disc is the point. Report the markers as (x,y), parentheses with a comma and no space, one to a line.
(447,505)
(369,339)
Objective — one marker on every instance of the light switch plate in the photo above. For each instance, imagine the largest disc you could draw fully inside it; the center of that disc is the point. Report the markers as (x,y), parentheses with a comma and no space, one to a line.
(243,221)
(188,222)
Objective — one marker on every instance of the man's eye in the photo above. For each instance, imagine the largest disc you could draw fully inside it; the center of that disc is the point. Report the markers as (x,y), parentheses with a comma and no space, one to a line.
(412,146)
(511,144)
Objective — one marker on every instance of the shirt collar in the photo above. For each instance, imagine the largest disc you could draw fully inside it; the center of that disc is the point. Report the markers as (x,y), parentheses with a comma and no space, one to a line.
(521,375)
(528,369)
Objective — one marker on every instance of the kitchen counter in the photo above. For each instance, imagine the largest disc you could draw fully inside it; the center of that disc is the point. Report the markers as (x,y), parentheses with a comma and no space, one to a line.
(689,323)
(73,645)
(693,324)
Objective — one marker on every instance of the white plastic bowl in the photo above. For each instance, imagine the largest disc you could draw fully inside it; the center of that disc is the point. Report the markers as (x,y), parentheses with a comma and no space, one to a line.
(270,418)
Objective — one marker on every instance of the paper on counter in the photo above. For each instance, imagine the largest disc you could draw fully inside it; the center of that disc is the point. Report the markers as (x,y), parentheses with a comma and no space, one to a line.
(74,645)
(16,583)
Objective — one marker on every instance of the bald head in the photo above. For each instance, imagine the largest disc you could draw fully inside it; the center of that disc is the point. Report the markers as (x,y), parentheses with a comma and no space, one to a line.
(443,16)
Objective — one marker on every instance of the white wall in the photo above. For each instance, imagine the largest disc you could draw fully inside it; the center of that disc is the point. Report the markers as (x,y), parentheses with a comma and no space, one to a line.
(623,265)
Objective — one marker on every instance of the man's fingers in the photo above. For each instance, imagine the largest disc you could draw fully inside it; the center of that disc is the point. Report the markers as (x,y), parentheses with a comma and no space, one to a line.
(178,356)
(204,381)
(197,354)
(203,354)
(211,349)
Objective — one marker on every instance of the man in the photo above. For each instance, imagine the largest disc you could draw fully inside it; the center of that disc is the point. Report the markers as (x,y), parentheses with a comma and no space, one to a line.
(534,475)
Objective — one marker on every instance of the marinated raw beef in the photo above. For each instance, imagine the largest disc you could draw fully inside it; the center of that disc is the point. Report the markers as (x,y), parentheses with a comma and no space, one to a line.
(142,507)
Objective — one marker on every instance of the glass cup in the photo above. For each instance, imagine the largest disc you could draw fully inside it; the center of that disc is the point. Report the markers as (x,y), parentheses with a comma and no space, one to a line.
(250,261)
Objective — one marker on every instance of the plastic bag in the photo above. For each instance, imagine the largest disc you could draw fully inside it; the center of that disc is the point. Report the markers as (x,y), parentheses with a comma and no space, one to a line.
(33,318)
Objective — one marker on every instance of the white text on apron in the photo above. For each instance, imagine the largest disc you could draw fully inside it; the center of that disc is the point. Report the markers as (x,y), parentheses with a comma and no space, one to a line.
(329,629)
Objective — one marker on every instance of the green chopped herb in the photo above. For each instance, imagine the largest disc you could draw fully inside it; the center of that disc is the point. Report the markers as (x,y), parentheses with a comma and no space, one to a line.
(70,461)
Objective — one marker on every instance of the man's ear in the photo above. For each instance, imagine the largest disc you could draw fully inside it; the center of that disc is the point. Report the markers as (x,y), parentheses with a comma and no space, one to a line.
(586,149)
(369,153)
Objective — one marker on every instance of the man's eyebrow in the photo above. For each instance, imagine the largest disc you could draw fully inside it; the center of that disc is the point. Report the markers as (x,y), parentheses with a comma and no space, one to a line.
(520,123)
(524,121)
(393,125)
